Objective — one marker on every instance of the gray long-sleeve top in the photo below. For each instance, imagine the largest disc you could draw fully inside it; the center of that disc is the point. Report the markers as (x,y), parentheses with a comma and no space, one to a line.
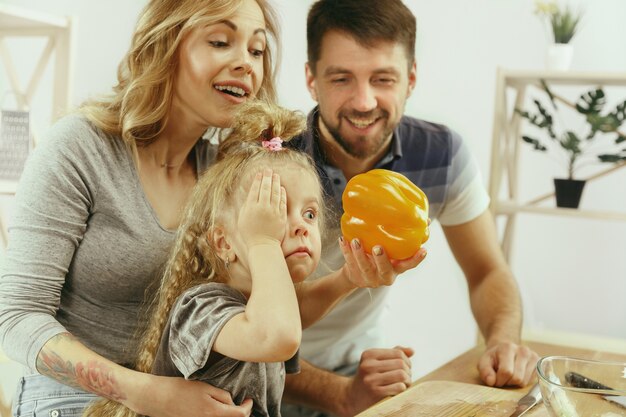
(86,249)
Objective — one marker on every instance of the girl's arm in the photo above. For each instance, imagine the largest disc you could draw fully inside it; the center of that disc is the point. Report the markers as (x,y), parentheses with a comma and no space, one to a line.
(269,330)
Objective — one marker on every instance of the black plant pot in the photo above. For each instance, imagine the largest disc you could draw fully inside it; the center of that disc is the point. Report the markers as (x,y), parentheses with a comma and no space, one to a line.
(568,192)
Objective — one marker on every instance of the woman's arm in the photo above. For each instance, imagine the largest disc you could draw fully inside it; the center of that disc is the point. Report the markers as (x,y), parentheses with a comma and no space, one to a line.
(317,297)
(52,208)
(51,211)
(67,360)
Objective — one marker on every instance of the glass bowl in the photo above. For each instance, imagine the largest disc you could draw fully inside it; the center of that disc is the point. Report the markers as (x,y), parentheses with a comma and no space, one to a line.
(573,387)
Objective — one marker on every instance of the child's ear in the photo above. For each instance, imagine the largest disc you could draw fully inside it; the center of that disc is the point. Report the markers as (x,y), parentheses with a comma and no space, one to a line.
(220,242)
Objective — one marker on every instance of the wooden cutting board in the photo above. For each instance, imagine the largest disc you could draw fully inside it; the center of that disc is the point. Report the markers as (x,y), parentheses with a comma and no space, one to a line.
(452,399)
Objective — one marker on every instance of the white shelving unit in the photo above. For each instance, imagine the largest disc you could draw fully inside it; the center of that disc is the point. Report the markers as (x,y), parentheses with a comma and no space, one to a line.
(505,169)
(16,22)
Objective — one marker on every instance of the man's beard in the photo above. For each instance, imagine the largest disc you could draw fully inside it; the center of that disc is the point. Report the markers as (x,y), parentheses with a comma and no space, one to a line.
(360,152)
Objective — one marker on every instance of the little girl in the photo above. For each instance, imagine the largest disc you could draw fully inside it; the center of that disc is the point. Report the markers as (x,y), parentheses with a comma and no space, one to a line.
(227,312)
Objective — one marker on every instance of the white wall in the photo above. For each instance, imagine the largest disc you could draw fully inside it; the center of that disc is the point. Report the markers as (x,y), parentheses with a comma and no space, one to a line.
(571,271)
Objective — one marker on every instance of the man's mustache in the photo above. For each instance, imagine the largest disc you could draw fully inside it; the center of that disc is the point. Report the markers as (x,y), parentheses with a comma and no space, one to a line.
(372,114)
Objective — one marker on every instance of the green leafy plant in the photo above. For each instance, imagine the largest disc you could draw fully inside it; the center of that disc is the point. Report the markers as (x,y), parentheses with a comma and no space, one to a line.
(564,22)
(590,105)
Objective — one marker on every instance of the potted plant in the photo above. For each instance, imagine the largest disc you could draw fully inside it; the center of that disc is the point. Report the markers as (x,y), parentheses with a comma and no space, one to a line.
(563,23)
(590,106)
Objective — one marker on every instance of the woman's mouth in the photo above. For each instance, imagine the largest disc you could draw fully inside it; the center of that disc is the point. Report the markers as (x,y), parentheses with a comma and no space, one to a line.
(232,90)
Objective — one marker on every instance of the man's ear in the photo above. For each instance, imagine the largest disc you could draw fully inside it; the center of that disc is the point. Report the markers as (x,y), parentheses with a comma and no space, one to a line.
(412,78)
(220,242)
(310,81)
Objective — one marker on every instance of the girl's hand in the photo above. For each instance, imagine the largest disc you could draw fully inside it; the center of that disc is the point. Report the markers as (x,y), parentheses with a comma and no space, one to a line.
(263,217)
(371,271)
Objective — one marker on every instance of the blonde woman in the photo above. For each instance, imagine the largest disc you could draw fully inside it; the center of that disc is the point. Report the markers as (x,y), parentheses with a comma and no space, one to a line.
(100,201)
(227,312)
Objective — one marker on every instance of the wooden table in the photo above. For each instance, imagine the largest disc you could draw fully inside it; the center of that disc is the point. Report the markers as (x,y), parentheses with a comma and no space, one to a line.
(462,369)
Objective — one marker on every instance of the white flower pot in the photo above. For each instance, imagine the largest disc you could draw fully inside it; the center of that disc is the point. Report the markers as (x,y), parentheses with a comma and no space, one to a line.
(559,56)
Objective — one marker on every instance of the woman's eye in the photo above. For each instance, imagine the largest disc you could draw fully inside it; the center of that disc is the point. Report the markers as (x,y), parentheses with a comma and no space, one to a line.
(257,52)
(310,214)
(218,44)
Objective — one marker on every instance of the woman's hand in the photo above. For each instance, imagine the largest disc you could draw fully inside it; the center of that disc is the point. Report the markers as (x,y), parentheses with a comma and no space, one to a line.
(371,271)
(175,397)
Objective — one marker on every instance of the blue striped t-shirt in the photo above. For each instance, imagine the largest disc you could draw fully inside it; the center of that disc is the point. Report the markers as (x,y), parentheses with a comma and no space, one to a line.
(436,160)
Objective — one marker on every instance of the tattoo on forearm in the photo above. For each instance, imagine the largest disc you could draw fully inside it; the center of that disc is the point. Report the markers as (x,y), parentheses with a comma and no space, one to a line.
(93,375)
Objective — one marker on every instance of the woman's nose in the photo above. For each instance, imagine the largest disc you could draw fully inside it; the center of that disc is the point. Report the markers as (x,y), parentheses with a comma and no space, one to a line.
(241,62)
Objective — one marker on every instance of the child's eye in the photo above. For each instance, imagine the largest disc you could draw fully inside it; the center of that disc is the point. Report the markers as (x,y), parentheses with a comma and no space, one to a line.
(310,214)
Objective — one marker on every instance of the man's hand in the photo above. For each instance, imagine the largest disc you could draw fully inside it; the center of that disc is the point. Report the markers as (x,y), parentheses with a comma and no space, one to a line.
(371,271)
(507,364)
(381,373)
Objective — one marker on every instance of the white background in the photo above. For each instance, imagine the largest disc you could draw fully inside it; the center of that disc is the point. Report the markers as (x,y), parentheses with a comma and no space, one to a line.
(572,272)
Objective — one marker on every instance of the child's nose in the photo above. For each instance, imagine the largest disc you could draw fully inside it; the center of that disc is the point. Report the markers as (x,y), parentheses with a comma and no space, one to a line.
(299,228)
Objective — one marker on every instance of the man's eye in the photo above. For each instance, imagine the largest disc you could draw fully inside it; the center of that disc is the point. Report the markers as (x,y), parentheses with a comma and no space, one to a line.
(339,80)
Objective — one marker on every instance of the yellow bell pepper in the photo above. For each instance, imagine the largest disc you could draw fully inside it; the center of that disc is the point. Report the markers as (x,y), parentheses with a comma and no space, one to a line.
(384,208)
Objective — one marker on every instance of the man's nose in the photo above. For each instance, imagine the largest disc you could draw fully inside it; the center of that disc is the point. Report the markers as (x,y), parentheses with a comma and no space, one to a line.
(364,98)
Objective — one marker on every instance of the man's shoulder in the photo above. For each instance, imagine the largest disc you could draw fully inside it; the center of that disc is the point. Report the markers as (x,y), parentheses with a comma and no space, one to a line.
(303,141)
(412,130)
(429,139)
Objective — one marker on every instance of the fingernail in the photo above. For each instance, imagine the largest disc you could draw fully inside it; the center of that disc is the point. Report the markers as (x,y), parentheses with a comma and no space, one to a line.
(356,244)
(424,254)
(341,240)
(377,250)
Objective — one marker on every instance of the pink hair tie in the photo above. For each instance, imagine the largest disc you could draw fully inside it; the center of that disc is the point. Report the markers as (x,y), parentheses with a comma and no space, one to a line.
(274,144)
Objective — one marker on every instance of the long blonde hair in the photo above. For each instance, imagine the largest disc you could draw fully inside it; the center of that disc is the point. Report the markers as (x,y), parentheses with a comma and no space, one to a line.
(137,109)
(193,259)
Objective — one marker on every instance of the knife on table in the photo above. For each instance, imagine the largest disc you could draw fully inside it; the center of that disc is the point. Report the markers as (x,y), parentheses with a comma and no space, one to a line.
(528,401)
(580,381)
